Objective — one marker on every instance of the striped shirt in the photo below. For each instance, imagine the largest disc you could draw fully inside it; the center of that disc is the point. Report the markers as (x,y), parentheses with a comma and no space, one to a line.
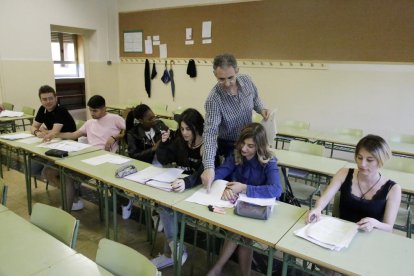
(227,114)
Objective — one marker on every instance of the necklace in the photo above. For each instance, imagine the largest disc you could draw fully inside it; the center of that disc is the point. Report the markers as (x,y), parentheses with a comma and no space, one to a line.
(359,186)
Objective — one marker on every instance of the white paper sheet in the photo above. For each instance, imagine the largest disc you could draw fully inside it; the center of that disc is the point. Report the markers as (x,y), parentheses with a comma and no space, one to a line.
(206,29)
(163,51)
(30,141)
(155,175)
(148,46)
(16,136)
(9,113)
(189,42)
(133,42)
(66,145)
(207,41)
(212,198)
(106,158)
(188,33)
(258,201)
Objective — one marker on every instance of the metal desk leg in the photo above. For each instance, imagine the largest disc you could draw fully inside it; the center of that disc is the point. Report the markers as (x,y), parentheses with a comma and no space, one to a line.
(27,174)
(114,214)
(63,190)
(285,264)
(177,260)
(270,261)
(105,188)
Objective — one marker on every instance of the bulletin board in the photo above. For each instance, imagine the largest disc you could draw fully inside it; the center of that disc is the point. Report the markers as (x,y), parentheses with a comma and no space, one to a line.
(322,30)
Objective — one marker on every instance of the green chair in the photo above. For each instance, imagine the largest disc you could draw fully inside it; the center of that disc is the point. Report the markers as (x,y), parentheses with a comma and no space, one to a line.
(402,138)
(402,164)
(296,124)
(122,260)
(8,106)
(171,124)
(56,222)
(3,192)
(304,192)
(79,124)
(349,132)
(27,111)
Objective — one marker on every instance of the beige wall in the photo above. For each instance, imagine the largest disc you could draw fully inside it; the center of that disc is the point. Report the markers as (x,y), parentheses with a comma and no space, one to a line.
(376,98)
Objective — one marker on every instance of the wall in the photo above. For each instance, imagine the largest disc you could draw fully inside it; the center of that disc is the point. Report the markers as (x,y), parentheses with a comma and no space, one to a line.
(25,54)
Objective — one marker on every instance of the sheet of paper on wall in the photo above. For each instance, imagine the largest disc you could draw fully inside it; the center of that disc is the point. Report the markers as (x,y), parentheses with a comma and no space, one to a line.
(213,198)
(206,41)
(189,42)
(206,29)
(148,46)
(133,42)
(156,40)
(188,33)
(163,51)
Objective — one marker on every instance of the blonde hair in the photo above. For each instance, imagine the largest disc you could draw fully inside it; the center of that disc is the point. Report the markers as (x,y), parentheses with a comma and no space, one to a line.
(376,146)
(257,132)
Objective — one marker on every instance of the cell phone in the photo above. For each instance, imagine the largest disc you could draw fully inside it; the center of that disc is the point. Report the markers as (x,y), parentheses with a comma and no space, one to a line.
(163,128)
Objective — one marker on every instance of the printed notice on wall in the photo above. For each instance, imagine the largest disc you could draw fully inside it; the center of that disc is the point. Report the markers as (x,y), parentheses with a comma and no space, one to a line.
(133,41)
(189,36)
(206,32)
(163,51)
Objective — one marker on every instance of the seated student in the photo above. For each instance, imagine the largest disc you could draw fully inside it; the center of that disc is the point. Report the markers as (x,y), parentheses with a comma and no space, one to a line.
(50,120)
(367,198)
(255,173)
(104,131)
(143,140)
(185,151)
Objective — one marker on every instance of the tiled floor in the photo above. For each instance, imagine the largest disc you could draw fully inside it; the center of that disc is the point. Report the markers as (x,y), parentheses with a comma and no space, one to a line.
(92,229)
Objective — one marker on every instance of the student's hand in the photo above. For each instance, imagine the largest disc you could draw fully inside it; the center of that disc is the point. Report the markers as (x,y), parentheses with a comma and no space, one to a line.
(178,186)
(265,114)
(207,178)
(109,143)
(47,137)
(229,195)
(367,224)
(236,187)
(165,134)
(313,215)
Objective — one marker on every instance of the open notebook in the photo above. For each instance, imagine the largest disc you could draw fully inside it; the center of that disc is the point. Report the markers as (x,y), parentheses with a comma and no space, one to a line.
(329,232)
(160,178)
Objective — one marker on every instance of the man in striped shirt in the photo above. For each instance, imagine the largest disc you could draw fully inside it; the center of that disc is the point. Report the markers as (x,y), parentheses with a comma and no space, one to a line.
(228,108)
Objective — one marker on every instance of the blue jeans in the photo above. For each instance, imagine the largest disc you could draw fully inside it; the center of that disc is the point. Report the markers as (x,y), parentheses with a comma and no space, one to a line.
(167,218)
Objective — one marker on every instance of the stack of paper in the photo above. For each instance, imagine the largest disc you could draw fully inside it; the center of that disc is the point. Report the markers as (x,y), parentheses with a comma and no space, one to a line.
(16,136)
(329,232)
(160,178)
(9,113)
(106,158)
(213,197)
(66,145)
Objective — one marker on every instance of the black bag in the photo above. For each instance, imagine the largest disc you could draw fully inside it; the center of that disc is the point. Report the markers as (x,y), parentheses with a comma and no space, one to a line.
(287,196)
(57,153)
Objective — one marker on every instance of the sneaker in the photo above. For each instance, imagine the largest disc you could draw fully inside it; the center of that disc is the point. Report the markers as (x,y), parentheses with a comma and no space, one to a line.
(155,218)
(76,206)
(185,254)
(162,261)
(127,210)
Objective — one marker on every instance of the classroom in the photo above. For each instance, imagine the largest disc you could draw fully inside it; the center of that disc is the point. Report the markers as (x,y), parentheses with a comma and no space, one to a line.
(335,64)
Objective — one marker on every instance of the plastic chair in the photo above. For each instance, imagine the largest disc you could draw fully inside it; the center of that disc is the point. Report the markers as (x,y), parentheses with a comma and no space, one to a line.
(79,124)
(402,164)
(122,260)
(56,222)
(402,138)
(3,192)
(8,106)
(27,111)
(350,132)
(171,124)
(304,192)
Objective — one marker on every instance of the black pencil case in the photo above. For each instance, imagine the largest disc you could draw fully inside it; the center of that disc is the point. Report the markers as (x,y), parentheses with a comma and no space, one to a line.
(56,153)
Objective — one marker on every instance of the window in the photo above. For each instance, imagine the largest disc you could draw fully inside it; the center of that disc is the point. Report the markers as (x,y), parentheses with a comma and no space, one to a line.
(65,55)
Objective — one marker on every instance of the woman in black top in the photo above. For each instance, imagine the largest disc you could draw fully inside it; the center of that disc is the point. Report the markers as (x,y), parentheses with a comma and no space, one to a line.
(367,198)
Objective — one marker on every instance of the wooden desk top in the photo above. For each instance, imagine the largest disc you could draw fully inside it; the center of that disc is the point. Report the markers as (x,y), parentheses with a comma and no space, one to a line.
(77,265)
(317,164)
(26,249)
(375,253)
(267,232)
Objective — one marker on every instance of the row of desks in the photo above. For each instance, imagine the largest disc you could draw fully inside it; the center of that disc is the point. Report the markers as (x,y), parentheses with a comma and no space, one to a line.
(404,149)
(27,250)
(273,232)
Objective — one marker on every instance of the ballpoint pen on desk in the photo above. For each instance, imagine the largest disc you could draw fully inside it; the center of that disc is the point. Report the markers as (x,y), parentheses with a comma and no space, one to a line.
(214,209)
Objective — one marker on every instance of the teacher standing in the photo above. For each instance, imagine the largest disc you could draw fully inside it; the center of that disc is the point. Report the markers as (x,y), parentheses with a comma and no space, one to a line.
(229,108)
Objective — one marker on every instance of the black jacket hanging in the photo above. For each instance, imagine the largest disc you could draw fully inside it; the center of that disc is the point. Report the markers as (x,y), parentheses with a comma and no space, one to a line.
(154,71)
(191,69)
(147,78)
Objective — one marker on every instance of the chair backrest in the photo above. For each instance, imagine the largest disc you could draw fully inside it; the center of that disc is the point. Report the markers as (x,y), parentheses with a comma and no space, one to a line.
(401,164)
(79,123)
(56,222)
(8,106)
(335,206)
(305,147)
(28,110)
(296,124)
(3,192)
(171,124)
(122,260)
(402,138)
(270,126)
(355,132)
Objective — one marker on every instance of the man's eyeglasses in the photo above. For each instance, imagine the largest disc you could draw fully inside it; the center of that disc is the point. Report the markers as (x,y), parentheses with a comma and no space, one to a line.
(224,80)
